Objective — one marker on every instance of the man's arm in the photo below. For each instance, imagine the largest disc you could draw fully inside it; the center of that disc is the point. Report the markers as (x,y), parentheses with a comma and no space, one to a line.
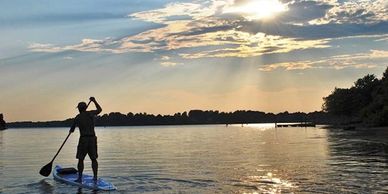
(99,109)
(73,126)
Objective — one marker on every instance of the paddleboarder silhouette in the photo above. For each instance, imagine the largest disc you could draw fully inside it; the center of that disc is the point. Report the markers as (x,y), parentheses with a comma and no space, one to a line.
(87,144)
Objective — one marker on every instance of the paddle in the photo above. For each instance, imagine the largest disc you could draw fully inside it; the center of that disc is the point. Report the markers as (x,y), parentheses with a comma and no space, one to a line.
(46,170)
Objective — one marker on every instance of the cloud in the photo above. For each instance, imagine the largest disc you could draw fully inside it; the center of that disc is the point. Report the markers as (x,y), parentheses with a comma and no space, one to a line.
(164,58)
(365,11)
(192,11)
(50,48)
(304,11)
(243,44)
(87,45)
(359,60)
(331,30)
(207,29)
(165,62)
(168,64)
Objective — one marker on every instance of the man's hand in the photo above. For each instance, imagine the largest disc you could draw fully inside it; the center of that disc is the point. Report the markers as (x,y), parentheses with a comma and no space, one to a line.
(99,109)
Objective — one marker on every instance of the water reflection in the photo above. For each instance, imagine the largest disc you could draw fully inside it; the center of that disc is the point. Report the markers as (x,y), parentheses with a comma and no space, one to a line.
(261,126)
(264,184)
(204,159)
(357,143)
(358,161)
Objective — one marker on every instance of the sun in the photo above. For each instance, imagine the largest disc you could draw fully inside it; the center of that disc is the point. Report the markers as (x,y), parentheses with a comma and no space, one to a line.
(258,9)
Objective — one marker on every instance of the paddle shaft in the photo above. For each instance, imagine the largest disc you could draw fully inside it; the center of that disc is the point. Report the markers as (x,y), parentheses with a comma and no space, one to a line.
(65,140)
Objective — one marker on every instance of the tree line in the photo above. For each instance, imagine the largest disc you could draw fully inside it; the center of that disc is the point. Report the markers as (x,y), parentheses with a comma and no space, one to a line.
(366,102)
(193,117)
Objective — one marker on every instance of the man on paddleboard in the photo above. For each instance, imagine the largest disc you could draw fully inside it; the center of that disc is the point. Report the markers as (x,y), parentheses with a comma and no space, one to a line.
(87,143)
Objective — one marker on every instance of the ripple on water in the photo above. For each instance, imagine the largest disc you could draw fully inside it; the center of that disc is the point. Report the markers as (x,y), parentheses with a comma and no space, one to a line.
(264,184)
(152,182)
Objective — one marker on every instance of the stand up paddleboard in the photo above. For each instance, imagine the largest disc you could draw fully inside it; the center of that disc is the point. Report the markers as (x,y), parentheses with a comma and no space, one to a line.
(69,175)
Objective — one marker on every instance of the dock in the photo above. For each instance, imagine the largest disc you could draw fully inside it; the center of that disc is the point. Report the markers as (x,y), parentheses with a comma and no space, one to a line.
(306,124)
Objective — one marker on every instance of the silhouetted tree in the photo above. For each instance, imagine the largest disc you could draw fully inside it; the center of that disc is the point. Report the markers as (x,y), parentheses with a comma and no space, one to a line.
(376,113)
(339,102)
(366,101)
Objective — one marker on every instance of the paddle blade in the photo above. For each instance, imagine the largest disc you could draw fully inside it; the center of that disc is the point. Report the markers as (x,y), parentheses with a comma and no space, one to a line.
(46,170)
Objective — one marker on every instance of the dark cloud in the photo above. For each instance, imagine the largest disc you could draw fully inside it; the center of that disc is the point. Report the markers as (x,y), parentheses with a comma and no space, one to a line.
(204,30)
(331,30)
(270,49)
(315,31)
(357,16)
(304,11)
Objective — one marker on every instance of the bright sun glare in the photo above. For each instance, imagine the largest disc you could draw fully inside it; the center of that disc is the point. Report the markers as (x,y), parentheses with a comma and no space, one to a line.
(259,9)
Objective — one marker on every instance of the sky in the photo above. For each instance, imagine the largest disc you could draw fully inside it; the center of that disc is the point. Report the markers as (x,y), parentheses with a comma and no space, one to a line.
(172,56)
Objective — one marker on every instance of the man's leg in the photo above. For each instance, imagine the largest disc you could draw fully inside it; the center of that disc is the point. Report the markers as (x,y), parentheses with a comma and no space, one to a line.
(80,169)
(95,168)
(93,156)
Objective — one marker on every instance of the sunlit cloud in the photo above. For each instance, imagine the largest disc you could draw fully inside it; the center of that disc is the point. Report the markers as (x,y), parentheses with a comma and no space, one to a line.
(86,45)
(166,62)
(192,11)
(365,11)
(50,48)
(360,60)
(235,43)
(242,44)
(165,58)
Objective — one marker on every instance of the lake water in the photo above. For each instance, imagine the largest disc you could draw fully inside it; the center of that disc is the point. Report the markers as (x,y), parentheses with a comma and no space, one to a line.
(202,159)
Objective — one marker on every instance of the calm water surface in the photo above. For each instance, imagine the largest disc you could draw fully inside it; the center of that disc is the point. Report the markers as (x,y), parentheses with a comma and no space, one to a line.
(203,159)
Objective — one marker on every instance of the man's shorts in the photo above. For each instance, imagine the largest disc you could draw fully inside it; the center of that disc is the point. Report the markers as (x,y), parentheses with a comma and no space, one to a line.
(87,145)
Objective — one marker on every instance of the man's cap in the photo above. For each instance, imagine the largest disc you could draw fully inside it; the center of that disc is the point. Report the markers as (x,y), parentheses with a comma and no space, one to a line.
(82,105)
